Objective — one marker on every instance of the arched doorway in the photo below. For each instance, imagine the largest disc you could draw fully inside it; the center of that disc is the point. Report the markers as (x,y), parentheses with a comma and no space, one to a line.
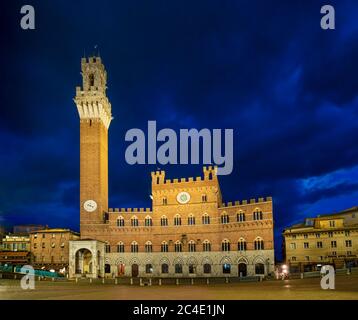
(242,270)
(83,262)
(121,269)
(260,268)
(135,270)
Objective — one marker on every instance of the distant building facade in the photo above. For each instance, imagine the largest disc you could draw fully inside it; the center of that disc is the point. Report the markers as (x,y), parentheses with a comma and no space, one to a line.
(15,249)
(326,239)
(50,248)
(188,232)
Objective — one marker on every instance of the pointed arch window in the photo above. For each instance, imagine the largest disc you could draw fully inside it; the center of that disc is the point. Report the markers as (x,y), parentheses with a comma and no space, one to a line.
(120,221)
(177,220)
(178,246)
(259,244)
(257,214)
(164,247)
(120,247)
(206,246)
(191,220)
(134,221)
(240,217)
(134,247)
(225,245)
(163,221)
(224,218)
(192,246)
(148,247)
(205,218)
(241,245)
(148,222)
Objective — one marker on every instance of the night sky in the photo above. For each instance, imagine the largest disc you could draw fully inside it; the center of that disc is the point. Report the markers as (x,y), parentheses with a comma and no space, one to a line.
(264,68)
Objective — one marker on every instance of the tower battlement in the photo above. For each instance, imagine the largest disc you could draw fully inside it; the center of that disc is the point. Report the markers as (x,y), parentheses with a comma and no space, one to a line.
(129,210)
(93,59)
(210,174)
(91,99)
(245,202)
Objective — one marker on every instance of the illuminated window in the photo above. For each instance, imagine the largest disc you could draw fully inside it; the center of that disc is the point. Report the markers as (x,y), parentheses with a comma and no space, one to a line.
(226,268)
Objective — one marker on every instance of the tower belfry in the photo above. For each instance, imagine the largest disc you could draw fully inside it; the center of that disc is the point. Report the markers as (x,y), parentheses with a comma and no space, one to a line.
(95,114)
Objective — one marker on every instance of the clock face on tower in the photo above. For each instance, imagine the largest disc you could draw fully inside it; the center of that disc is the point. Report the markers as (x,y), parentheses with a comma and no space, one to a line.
(183,197)
(90,205)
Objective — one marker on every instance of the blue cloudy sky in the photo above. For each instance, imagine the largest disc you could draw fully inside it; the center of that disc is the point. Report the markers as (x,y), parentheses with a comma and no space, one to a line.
(264,68)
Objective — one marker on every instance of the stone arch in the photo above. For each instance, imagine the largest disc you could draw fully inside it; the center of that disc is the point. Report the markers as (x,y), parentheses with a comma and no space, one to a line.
(178,260)
(120,261)
(242,260)
(84,259)
(206,260)
(258,259)
(134,260)
(225,259)
(148,261)
(192,260)
(164,260)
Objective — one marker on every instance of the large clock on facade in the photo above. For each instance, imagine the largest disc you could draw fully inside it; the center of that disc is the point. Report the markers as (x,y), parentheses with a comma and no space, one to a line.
(90,205)
(183,197)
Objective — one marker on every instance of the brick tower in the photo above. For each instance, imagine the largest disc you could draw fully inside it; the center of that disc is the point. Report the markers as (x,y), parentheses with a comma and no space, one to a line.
(95,114)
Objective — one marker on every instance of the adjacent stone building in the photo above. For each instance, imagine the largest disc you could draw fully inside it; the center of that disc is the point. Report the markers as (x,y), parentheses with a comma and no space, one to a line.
(326,239)
(50,248)
(189,231)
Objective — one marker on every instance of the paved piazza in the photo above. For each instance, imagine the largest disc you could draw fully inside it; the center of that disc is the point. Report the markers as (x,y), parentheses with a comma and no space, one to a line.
(305,289)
